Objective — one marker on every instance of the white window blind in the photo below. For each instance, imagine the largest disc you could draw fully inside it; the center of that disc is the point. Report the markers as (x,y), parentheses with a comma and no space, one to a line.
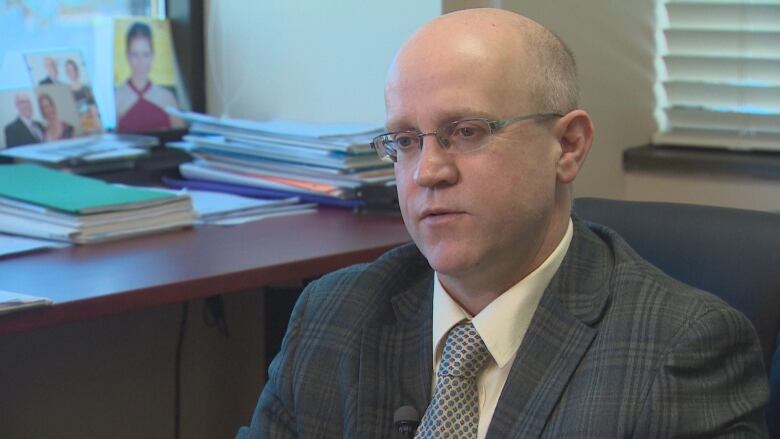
(719,73)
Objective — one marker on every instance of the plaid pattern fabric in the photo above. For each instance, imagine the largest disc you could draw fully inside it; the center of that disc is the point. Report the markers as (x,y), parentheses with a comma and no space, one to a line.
(615,349)
(454,410)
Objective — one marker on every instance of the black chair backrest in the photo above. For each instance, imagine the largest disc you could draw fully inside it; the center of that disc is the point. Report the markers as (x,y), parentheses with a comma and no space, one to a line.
(732,253)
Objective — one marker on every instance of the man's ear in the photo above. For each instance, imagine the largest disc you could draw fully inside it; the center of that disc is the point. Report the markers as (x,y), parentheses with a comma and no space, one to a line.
(575,135)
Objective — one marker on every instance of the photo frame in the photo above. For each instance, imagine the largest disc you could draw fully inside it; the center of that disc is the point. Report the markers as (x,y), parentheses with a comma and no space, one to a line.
(146,76)
(67,68)
(20,120)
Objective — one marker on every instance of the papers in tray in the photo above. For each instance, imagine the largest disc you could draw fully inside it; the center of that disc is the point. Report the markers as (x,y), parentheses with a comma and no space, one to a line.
(278,152)
(324,163)
(207,171)
(258,192)
(85,154)
(45,203)
(346,137)
(380,175)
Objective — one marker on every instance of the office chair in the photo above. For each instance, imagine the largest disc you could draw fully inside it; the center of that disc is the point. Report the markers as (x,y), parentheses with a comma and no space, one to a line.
(732,253)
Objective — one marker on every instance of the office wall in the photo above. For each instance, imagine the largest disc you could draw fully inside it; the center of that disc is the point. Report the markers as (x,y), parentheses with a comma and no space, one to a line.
(306,60)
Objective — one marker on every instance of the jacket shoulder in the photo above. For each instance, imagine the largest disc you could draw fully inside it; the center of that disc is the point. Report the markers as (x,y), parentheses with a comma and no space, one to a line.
(368,288)
(637,281)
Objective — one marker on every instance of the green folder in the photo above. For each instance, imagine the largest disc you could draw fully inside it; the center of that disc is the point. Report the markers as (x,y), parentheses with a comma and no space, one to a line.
(52,189)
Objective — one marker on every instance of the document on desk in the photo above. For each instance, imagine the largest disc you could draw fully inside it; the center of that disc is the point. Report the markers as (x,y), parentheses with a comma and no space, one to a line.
(11,302)
(87,149)
(45,203)
(50,189)
(346,137)
(86,155)
(10,244)
(222,209)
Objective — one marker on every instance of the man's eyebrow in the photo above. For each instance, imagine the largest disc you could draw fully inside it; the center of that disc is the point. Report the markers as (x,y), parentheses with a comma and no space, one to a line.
(442,118)
(401,124)
(398,125)
(465,113)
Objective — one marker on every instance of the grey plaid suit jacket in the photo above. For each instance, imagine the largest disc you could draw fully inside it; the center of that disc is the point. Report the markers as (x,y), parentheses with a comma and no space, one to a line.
(616,349)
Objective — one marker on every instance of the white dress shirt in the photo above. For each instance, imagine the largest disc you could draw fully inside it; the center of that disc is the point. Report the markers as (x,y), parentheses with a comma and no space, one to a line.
(34,129)
(502,326)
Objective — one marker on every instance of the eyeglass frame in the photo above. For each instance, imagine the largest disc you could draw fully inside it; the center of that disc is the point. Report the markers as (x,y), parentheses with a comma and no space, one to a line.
(494,125)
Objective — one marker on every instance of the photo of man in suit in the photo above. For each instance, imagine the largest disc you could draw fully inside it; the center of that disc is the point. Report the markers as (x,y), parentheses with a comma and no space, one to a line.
(23,130)
(508,317)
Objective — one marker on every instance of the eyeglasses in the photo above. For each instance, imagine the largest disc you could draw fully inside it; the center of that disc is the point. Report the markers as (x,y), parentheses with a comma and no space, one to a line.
(458,137)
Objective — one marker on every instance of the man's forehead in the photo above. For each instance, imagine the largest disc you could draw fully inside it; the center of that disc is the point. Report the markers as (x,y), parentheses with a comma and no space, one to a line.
(435,93)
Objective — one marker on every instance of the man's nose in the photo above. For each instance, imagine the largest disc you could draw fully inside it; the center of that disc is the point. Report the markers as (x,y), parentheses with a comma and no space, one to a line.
(435,166)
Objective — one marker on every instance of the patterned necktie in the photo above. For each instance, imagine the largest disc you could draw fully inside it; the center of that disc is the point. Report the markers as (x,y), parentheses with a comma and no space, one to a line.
(454,409)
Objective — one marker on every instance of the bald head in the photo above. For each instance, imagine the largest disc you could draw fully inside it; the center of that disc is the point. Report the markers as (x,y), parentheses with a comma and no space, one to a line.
(530,61)
(23,105)
(51,67)
(485,194)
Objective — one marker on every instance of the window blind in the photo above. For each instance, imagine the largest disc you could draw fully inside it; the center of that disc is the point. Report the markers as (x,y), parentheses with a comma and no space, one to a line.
(719,73)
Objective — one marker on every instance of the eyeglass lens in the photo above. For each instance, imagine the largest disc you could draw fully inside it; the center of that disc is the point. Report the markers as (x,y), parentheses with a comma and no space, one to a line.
(459,136)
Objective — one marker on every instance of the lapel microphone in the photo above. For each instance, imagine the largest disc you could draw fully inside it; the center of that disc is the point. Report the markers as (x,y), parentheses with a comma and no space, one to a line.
(406,420)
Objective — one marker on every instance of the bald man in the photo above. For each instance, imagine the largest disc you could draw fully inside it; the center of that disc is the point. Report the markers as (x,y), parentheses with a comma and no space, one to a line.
(23,130)
(52,72)
(507,317)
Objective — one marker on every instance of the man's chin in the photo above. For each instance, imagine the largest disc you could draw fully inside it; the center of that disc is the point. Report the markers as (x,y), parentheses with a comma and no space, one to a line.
(451,262)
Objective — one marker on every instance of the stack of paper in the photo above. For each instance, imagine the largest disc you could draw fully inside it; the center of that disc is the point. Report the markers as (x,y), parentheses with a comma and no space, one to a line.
(324,163)
(15,244)
(10,301)
(224,209)
(45,203)
(85,155)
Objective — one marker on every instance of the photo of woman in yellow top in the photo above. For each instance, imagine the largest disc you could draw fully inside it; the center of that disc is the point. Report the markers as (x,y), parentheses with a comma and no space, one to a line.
(140,103)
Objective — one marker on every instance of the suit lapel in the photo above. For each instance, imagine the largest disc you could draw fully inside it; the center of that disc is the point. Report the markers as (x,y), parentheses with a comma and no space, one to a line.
(395,362)
(549,354)
(558,337)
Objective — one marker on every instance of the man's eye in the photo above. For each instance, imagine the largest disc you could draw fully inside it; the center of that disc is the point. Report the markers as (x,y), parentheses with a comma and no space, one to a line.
(469,131)
(466,131)
(405,141)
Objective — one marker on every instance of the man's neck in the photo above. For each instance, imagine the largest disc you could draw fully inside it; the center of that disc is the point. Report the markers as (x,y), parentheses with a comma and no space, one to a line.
(476,290)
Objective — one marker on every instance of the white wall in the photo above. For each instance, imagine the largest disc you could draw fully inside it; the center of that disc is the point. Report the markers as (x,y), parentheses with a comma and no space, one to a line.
(308,60)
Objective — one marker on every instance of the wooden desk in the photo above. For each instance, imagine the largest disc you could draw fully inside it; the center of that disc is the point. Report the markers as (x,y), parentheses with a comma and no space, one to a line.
(114,277)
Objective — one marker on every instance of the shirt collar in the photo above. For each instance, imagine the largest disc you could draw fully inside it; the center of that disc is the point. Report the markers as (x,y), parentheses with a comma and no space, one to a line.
(504,322)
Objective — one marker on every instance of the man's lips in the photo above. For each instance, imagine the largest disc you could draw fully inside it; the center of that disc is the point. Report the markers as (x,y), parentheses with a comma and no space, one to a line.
(431,214)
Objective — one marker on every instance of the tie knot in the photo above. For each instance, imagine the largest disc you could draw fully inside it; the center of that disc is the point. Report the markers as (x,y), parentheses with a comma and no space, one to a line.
(464,352)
